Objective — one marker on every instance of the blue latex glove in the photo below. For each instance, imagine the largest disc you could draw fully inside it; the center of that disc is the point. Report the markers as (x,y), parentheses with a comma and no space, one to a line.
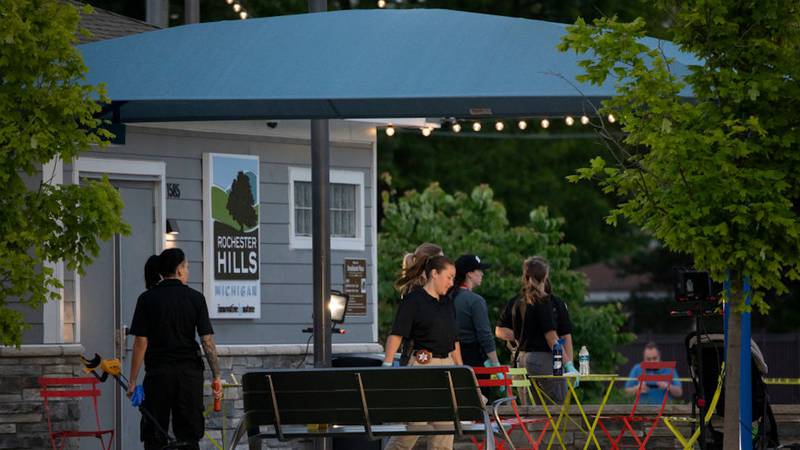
(569,369)
(500,376)
(138,396)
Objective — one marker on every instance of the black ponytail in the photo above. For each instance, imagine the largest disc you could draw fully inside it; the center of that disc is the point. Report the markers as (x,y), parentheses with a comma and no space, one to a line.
(151,272)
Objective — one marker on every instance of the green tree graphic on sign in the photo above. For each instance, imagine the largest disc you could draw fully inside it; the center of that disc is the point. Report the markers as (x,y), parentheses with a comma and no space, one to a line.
(240,202)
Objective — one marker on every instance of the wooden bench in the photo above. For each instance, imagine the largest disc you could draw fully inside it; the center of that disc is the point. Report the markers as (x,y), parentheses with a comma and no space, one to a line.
(371,402)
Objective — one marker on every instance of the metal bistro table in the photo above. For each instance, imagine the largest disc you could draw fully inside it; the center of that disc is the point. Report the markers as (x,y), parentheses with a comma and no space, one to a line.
(571,395)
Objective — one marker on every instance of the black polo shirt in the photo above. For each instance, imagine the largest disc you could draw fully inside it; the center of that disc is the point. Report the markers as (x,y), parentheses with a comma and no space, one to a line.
(539,319)
(561,312)
(169,315)
(430,322)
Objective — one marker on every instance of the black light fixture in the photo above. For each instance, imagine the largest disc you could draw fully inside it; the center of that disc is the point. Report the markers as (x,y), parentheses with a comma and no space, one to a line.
(172,227)
(337,305)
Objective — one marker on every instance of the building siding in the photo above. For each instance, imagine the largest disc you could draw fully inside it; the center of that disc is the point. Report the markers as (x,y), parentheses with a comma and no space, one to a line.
(286,274)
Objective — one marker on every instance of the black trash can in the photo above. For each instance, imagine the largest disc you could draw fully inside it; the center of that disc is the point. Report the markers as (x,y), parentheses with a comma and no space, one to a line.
(357,360)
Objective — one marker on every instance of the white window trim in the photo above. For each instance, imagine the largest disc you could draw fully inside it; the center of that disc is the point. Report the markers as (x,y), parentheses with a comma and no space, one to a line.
(336,176)
(119,169)
(53,311)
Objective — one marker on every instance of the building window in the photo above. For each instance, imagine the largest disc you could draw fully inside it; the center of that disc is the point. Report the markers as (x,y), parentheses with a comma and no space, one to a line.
(343,209)
(302,208)
(346,204)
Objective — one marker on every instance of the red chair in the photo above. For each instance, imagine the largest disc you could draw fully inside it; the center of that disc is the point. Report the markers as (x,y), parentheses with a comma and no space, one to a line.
(631,419)
(517,422)
(77,387)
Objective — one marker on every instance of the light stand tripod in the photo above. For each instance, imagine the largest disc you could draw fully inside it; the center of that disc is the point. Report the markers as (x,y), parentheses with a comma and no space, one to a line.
(696,298)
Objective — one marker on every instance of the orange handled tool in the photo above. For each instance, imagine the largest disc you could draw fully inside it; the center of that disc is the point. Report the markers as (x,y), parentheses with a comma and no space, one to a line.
(216,387)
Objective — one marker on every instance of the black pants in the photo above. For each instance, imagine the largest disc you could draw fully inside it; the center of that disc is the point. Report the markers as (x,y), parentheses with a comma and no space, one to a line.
(175,391)
(473,355)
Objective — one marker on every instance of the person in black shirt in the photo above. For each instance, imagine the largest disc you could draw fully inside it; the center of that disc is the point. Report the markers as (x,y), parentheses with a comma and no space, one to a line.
(165,321)
(530,322)
(412,276)
(427,317)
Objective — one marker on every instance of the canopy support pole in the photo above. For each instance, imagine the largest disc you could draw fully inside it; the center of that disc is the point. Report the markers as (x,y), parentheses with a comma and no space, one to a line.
(321,240)
(321,235)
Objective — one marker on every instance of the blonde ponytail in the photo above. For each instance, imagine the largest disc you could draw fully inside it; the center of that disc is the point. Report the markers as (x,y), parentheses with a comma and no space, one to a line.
(413,268)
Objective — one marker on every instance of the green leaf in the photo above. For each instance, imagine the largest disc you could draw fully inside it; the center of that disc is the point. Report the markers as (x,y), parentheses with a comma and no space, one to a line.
(666,126)
(46,113)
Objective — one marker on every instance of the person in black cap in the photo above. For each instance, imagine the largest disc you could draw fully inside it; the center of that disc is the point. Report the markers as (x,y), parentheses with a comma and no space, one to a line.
(474,331)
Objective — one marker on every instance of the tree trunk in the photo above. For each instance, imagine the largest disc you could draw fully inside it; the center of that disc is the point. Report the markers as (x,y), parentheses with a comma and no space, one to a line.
(733,369)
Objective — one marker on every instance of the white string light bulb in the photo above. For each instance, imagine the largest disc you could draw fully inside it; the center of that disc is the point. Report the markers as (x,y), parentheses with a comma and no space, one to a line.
(522,125)
(545,123)
(381,3)
(237,7)
(476,126)
(456,127)
(569,121)
(584,120)
(426,131)
(390,131)
(230,2)
(499,126)
(243,15)
(611,118)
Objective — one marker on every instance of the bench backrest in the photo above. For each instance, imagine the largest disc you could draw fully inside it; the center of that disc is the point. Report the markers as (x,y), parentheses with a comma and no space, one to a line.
(334,396)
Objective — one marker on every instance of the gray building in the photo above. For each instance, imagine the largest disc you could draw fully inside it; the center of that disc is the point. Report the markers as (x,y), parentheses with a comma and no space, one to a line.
(160,172)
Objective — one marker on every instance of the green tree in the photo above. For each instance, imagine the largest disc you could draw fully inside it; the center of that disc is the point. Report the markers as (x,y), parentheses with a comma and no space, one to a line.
(718,177)
(523,173)
(240,202)
(46,113)
(477,224)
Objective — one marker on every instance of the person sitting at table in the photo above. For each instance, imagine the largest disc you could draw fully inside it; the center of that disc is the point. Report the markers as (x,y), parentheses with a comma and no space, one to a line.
(652,392)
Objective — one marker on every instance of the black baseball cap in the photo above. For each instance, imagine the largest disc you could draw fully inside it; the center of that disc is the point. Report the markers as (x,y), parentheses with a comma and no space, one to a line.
(467,263)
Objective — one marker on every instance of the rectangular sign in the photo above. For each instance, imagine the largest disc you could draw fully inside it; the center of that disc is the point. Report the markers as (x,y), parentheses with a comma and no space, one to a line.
(355,285)
(231,225)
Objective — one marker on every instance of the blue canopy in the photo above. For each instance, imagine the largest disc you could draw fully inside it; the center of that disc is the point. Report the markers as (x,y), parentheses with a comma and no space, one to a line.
(347,64)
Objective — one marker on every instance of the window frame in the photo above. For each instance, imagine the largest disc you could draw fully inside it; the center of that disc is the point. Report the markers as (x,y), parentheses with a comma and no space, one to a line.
(352,177)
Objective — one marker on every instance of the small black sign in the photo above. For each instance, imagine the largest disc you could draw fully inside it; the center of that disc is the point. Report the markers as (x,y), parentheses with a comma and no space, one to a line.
(173,190)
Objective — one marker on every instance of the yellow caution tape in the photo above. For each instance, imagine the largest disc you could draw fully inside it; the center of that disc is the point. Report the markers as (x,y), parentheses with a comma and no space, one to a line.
(689,444)
(789,381)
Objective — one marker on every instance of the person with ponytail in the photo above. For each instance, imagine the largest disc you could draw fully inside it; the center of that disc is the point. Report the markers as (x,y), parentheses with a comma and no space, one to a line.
(168,316)
(412,274)
(426,316)
(530,323)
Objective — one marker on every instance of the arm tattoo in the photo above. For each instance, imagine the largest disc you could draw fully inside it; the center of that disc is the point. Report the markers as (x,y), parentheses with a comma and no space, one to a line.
(211,355)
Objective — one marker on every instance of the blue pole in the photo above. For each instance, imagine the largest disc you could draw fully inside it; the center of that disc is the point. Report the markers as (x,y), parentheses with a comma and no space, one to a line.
(746,385)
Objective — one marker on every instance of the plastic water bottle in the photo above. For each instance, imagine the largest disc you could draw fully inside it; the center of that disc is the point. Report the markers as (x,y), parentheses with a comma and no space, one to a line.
(583,361)
(558,358)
